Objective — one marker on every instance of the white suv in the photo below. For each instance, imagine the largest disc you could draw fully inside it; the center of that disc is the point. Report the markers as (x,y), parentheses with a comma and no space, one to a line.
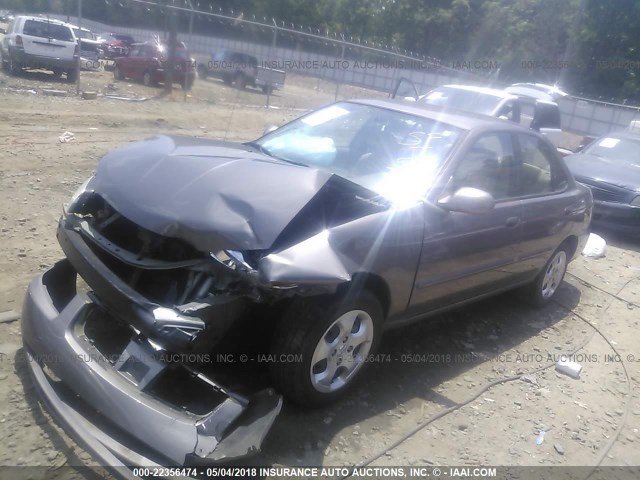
(35,42)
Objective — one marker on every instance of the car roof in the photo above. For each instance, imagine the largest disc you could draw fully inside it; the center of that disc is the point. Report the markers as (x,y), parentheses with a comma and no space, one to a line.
(457,118)
(45,19)
(484,90)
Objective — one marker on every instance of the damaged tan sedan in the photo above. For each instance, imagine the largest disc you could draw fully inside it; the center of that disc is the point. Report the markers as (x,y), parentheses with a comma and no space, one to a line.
(357,217)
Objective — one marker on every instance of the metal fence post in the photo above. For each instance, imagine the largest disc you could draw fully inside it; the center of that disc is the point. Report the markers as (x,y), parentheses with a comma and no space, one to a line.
(271,50)
(78,64)
(337,77)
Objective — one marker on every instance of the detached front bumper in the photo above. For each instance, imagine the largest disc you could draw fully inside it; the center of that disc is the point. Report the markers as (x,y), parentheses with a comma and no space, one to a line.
(109,403)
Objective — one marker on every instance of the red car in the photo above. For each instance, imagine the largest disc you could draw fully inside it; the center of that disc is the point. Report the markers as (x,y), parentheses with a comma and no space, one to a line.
(114,45)
(148,62)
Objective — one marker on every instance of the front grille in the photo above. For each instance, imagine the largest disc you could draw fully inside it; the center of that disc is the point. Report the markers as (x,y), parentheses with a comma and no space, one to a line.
(167,286)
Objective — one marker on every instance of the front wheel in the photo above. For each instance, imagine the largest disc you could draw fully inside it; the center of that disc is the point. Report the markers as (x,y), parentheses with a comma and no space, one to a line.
(546,284)
(318,352)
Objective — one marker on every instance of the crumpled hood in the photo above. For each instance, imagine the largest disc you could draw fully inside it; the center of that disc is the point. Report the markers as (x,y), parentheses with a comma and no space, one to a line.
(607,171)
(212,194)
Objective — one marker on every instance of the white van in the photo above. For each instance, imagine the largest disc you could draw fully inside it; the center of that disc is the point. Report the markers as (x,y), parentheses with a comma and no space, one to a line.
(35,42)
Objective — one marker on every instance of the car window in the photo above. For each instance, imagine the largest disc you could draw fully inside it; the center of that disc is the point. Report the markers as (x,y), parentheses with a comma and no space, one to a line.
(489,166)
(136,52)
(540,174)
(37,28)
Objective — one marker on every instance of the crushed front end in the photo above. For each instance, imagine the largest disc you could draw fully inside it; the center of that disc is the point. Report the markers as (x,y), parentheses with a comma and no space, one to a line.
(119,364)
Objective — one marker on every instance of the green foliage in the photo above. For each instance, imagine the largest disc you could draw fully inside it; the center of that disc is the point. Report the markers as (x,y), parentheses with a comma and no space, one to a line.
(587,46)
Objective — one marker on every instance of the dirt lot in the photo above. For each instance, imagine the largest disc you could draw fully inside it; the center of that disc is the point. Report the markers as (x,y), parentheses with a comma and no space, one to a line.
(447,364)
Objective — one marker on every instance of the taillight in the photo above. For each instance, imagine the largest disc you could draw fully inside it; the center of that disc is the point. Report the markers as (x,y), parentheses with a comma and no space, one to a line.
(18,41)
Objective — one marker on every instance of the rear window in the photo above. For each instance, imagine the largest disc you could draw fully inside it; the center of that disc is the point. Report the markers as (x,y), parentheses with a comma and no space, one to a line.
(41,29)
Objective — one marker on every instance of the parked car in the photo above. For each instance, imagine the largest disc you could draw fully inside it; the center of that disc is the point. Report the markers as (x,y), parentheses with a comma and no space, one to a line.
(540,91)
(34,42)
(540,114)
(114,45)
(358,217)
(610,167)
(242,70)
(148,62)
(6,16)
(89,48)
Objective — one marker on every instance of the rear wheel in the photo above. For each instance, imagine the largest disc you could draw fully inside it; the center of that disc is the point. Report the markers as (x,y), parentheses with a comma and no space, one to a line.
(267,90)
(57,73)
(147,79)
(544,287)
(72,75)
(12,66)
(117,73)
(319,352)
(241,81)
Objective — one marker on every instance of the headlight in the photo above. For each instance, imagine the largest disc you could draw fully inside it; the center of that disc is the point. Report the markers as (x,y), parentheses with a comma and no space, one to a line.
(636,201)
(81,189)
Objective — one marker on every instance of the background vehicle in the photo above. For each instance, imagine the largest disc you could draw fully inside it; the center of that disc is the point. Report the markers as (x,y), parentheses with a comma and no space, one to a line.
(148,62)
(114,45)
(539,114)
(89,48)
(33,42)
(540,91)
(610,167)
(242,70)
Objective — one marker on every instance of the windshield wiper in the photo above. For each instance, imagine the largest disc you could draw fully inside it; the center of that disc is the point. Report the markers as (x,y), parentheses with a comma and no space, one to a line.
(266,152)
(260,148)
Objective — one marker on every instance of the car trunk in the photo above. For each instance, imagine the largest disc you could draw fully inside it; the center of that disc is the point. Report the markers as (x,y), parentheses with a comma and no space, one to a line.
(48,39)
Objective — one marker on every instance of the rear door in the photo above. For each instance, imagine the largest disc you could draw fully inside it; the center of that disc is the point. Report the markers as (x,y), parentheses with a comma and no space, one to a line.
(548,205)
(466,255)
(46,39)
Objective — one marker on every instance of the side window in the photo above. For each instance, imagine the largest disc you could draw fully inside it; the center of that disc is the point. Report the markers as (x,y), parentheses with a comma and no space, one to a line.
(136,52)
(489,165)
(540,174)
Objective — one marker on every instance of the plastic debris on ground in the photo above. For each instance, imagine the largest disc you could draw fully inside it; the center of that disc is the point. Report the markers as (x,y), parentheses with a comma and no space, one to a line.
(596,246)
(67,137)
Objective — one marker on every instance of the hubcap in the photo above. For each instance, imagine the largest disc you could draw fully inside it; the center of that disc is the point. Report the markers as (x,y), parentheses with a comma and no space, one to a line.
(341,351)
(553,275)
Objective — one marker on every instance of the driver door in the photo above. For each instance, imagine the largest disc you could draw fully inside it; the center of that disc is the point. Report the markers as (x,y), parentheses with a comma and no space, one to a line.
(466,255)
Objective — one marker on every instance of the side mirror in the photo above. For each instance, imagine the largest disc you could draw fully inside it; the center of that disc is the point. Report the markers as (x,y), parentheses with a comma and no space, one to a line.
(468,200)
(269,129)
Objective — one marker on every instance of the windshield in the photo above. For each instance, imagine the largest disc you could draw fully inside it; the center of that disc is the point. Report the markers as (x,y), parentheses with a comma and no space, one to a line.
(392,153)
(618,150)
(470,101)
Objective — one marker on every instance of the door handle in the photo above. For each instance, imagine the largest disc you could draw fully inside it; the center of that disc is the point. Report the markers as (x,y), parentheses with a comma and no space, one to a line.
(512,222)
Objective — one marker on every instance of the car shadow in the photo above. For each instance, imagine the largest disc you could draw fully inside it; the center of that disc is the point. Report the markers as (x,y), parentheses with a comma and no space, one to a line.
(481,331)
(42,76)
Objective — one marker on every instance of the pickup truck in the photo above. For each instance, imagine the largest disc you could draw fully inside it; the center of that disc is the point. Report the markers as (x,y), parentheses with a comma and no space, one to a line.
(242,70)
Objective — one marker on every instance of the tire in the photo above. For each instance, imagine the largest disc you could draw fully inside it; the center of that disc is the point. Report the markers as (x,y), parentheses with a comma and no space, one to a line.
(147,80)
(241,81)
(202,72)
(12,67)
(267,90)
(226,79)
(543,288)
(57,73)
(72,75)
(321,338)
(117,74)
